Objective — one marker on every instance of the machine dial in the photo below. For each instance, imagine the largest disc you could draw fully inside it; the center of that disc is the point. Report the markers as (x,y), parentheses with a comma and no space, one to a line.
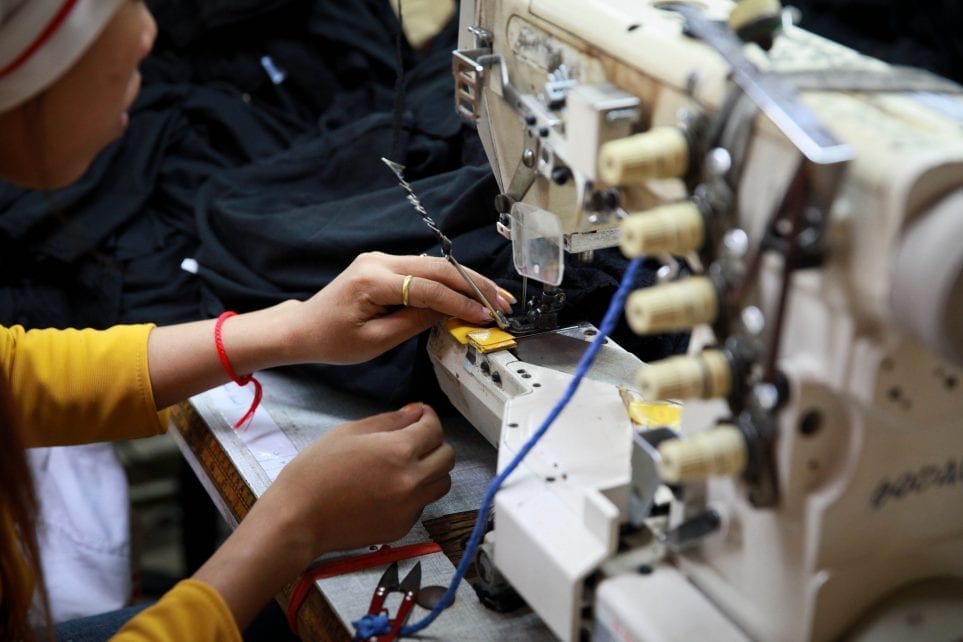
(661,152)
(673,306)
(721,450)
(706,375)
(676,228)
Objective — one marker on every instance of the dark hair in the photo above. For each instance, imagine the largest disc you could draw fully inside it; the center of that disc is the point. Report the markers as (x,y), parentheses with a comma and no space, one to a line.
(19,559)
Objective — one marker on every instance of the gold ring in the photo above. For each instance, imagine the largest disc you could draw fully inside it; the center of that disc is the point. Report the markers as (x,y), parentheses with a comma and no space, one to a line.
(405,288)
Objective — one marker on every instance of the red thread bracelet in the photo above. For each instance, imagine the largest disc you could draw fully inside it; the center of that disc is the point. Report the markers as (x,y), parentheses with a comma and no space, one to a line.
(241,381)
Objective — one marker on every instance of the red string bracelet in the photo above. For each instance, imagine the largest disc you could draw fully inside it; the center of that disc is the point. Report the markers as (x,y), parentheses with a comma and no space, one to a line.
(241,381)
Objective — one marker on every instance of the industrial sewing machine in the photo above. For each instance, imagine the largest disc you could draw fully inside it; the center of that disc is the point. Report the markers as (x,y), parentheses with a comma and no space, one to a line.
(807,203)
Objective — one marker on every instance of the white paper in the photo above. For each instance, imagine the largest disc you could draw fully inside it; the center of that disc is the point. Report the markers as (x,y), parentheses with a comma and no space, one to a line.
(268,444)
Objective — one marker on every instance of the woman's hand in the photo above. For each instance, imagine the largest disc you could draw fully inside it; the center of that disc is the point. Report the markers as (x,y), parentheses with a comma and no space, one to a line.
(360,314)
(362,483)
(366,481)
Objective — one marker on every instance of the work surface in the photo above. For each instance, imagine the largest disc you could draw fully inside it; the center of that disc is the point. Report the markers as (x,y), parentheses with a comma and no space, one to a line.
(236,467)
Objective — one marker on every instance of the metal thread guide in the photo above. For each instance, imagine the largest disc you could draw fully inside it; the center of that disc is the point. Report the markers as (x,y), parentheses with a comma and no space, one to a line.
(444,241)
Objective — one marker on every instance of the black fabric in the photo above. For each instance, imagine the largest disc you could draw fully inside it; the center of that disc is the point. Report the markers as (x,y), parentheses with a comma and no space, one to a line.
(273,184)
(135,204)
(262,245)
(904,32)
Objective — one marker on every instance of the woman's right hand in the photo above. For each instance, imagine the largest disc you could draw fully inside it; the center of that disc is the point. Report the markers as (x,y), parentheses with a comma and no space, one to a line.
(362,483)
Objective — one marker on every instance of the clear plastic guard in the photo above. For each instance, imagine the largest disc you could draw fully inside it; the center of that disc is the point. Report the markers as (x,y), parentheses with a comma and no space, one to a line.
(537,244)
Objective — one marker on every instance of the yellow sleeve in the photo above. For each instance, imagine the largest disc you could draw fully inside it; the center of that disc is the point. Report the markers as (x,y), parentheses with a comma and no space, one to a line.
(192,610)
(68,387)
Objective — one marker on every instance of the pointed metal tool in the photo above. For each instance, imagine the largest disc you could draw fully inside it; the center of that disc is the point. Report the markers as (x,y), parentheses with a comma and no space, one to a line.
(446,246)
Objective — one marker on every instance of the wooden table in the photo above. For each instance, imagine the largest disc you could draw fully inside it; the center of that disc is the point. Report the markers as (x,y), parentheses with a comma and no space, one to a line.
(235,467)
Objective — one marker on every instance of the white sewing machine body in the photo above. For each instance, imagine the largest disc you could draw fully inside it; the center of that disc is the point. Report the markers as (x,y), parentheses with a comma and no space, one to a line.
(851,518)
(559,516)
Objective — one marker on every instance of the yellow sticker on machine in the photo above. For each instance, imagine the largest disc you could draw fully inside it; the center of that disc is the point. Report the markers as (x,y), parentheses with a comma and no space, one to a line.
(482,339)
(655,414)
(651,414)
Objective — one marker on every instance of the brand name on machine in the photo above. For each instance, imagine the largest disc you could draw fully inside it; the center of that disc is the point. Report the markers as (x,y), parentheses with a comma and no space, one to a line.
(915,482)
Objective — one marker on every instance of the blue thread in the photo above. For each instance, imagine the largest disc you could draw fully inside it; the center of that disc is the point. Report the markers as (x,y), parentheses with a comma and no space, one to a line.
(371,625)
(608,323)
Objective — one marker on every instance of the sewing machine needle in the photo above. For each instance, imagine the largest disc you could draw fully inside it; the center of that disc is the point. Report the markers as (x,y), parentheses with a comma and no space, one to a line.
(525,292)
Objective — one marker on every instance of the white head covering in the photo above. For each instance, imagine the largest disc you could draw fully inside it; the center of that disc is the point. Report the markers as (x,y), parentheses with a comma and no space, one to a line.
(41,39)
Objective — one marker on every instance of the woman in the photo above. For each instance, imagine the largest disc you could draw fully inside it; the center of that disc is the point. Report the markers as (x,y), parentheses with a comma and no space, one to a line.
(68,73)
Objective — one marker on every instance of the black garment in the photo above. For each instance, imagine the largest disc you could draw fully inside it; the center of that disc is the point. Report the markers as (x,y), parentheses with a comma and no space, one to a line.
(129,221)
(261,244)
(903,32)
(268,172)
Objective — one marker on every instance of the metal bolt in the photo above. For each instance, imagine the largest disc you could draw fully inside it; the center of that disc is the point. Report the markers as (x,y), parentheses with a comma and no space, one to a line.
(528,157)
(736,242)
(808,237)
(766,395)
(664,273)
(753,320)
(718,161)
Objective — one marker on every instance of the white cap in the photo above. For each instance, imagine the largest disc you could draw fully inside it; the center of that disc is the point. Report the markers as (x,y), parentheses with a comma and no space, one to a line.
(41,39)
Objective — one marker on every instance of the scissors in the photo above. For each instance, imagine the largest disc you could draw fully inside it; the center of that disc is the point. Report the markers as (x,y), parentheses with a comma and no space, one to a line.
(408,588)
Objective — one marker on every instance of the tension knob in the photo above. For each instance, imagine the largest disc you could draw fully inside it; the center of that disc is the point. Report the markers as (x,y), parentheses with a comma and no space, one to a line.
(661,152)
(673,306)
(706,375)
(676,228)
(721,450)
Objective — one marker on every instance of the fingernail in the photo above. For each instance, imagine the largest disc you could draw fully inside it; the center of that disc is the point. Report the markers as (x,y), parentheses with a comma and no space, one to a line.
(503,305)
(507,295)
(411,408)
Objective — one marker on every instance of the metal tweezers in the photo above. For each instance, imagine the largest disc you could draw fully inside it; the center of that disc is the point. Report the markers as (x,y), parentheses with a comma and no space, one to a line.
(446,246)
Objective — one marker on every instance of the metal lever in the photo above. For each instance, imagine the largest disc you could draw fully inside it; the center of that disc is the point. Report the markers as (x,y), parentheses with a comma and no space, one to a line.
(776,97)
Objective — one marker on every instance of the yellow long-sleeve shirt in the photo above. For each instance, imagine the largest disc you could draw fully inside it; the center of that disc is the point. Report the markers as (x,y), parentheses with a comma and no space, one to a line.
(81,386)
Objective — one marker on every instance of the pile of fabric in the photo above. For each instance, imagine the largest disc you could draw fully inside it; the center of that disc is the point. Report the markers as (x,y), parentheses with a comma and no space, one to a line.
(901,32)
(255,150)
